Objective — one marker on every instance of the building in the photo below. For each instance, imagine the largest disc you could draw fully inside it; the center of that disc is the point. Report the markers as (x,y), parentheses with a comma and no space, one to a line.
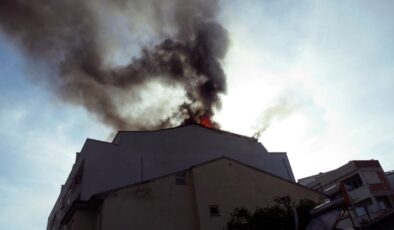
(390,177)
(201,197)
(364,186)
(179,174)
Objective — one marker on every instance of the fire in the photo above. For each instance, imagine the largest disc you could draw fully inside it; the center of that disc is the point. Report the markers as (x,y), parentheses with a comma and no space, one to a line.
(206,121)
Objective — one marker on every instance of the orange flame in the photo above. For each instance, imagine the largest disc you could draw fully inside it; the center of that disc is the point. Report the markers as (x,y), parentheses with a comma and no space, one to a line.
(206,121)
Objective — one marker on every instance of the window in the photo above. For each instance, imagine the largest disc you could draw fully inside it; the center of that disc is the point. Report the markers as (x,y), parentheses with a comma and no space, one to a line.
(214,210)
(383,202)
(363,207)
(180,179)
(360,211)
(353,182)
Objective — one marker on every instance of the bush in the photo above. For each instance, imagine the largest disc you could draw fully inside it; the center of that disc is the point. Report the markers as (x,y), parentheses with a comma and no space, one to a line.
(280,216)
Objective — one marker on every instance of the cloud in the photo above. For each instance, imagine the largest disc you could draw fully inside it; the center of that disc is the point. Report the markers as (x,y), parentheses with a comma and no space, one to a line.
(333,59)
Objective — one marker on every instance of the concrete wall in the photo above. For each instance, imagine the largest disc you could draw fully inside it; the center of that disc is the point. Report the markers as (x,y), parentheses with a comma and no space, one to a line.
(229,185)
(83,220)
(360,193)
(331,178)
(390,178)
(160,204)
(113,165)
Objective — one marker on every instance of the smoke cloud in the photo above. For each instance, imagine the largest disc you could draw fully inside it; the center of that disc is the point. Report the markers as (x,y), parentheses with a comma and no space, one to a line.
(187,49)
(279,110)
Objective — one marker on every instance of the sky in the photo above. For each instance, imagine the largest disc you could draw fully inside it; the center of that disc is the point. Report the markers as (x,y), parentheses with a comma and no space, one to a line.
(316,75)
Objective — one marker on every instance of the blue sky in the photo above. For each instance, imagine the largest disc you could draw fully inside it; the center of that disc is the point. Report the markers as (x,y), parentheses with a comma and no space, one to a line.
(331,62)
(38,137)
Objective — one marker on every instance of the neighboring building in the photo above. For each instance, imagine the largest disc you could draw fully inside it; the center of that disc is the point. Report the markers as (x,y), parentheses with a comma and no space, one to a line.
(390,177)
(201,197)
(371,196)
(138,157)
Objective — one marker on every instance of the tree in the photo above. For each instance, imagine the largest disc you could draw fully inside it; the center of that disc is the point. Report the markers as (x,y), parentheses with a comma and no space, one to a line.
(280,216)
(304,207)
(239,219)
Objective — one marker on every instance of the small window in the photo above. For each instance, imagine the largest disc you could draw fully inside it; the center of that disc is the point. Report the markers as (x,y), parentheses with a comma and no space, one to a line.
(360,211)
(383,202)
(180,179)
(214,210)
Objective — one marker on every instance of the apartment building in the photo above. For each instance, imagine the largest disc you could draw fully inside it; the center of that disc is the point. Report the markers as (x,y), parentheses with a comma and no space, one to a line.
(365,185)
(390,177)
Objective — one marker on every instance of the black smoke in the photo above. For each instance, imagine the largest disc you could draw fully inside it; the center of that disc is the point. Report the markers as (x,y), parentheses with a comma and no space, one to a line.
(66,36)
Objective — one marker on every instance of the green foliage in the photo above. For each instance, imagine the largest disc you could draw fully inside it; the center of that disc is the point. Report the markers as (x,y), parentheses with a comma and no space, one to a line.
(280,216)
(304,207)
(239,219)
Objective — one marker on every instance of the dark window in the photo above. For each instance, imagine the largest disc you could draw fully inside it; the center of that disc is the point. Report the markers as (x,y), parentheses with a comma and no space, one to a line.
(353,182)
(364,207)
(383,202)
(214,210)
(180,179)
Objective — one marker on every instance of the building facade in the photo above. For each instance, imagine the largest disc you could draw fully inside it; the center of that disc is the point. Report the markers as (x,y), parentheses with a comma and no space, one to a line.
(137,157)
(366,186)
(201,197)
(390,177)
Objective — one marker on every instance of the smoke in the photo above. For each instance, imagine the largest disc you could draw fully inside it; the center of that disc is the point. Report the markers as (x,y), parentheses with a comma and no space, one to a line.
(74,38)
(279,110)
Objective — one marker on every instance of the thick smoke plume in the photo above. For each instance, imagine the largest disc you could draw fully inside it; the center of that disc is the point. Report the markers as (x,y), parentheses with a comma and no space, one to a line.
(68,37)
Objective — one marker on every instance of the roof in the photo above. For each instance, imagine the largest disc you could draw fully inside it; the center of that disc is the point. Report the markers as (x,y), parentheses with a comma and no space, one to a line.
(202,164)
(185,125)
(164,151)
(355,163)
(97,197)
